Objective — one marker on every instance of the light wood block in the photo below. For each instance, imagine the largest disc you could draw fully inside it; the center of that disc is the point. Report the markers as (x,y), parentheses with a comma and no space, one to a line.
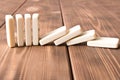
(20,29)
(28,31)
(10,25)
(35,26)
(84,37)
(105,42)
(71,33)
(50,37)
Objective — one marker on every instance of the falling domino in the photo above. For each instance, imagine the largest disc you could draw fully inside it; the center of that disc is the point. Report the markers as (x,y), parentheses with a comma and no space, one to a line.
(35,26)
(20,29)
(53,35)
(28,32)
(73,32)
(86,36)
(105,42)
(10,25)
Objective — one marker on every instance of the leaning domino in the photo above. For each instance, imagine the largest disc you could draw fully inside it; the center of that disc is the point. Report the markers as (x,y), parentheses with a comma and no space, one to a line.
(50,37)
(28,32)
(105,42)
(20,28)
(73,32)
(10,25)
(35,26)
(86,36)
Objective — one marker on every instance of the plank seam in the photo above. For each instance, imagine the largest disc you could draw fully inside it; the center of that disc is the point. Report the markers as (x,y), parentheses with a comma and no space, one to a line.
(70,64)
(61,12)
(68,55)
(15,11)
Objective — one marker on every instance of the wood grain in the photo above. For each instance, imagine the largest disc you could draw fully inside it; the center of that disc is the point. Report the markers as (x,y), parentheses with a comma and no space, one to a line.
(49,62)
(93,63)
(37,62)
(9,7)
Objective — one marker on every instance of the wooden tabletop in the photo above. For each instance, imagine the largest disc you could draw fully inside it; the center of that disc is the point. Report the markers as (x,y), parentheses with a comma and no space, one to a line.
(50,62)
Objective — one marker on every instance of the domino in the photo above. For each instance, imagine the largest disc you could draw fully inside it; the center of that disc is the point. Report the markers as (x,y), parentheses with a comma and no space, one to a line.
(86,36)
(50,37)
(35,26)
(28,32)
(73,32)
(20,29)
(105,42)
(10,25)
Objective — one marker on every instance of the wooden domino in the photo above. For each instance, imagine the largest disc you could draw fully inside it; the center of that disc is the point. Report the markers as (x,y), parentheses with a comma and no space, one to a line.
(53,35)
(84,37)
(73,32)
(28,31)
(20,29)
(105,42)
(10,25)
(35,26)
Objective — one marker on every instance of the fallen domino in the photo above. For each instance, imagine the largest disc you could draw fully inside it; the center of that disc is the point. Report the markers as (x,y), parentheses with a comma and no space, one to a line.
(50,37)
(84,37)
(73,32)
(10,25)
(105,42)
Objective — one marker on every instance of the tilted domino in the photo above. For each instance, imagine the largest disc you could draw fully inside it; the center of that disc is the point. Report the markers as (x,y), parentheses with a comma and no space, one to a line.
(28,32)
(84,37)
(10,25)
(73,32)
(53,35)
(105,42)
(20,29)
(35,26)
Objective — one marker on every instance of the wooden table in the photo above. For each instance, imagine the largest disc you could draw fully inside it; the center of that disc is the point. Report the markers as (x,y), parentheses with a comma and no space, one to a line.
(51,62)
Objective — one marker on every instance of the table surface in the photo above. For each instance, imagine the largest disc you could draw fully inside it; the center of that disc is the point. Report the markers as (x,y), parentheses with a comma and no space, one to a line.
(50,62)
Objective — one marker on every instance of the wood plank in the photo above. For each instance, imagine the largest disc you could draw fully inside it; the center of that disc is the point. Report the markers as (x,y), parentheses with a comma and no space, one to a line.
(113,18)
(9,7)
(37,62)
(113,8)
(40,6)
(92,63)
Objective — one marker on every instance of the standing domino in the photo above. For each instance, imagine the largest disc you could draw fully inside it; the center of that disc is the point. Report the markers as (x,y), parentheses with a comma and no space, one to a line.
(53,35)
(73,32)
(105,42)
(28,32)
(35,26)
(20,29)
(10,25)
(86,36)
